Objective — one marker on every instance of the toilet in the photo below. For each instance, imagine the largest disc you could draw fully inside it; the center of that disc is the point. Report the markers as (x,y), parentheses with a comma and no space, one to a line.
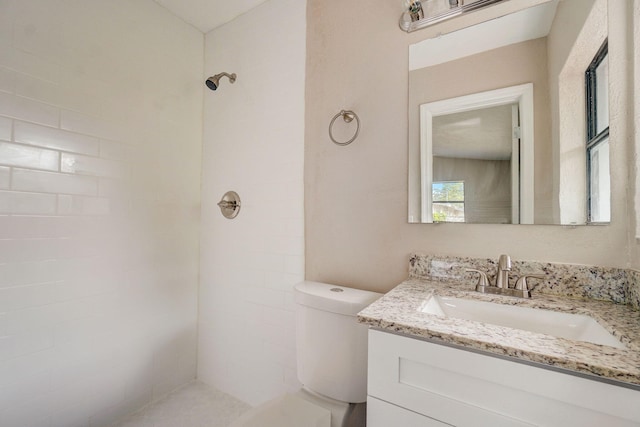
(332,362)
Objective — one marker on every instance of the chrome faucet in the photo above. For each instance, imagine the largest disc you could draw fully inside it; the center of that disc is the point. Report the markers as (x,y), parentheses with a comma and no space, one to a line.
(520,289)
(504,267)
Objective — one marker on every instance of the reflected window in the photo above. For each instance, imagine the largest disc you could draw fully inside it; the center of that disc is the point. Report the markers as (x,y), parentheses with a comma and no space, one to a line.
(598,178)
(448,201)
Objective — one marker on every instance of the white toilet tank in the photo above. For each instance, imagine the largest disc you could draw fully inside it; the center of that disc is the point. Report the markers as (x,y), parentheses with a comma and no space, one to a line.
(331,344)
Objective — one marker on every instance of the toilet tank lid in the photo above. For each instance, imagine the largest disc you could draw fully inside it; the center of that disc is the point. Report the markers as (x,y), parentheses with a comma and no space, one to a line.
(332,298)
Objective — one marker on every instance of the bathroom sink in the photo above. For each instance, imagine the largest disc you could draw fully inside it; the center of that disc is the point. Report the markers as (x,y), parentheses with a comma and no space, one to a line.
(576,327)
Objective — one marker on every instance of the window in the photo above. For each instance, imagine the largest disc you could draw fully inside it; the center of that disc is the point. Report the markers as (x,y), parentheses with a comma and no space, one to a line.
(448,201)
(598,178)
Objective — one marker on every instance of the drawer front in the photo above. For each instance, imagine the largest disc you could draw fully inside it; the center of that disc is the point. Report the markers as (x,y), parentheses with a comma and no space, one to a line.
(383,414)
(463,388)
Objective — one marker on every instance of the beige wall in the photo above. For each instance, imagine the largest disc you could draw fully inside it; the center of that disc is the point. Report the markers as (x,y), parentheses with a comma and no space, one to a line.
(511,65)
(578,31)
(356,196)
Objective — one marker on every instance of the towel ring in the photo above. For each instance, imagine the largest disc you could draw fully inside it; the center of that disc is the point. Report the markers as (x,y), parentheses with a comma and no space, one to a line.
(347,116)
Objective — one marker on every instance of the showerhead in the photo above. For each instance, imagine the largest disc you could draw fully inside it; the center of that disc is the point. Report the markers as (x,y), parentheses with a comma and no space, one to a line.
(214,81)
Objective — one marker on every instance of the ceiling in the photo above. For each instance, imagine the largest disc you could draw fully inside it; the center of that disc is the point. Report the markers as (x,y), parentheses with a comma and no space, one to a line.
(483,134)
(206,15)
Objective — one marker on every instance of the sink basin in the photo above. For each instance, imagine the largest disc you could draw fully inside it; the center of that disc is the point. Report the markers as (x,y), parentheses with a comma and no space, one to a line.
(564,325)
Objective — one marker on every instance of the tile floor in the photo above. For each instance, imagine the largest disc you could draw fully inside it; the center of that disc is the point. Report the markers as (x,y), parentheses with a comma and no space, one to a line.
(194,405)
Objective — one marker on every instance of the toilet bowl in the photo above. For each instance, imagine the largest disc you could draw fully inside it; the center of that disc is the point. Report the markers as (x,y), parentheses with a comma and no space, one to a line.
(331,352)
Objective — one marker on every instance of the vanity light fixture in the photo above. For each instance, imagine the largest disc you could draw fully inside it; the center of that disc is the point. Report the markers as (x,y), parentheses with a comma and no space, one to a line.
(414,9)
(421,14)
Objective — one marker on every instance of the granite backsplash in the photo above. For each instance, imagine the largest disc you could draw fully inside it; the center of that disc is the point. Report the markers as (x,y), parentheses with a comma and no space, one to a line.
(579,281)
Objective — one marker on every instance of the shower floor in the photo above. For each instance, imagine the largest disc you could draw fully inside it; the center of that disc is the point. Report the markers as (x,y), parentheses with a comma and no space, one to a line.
(194,405)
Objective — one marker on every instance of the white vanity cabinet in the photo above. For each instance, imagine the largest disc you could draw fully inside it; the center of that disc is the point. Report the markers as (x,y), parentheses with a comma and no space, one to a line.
(416,383)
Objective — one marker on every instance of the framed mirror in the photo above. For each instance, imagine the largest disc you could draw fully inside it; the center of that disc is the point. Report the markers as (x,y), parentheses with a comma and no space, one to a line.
(508,119)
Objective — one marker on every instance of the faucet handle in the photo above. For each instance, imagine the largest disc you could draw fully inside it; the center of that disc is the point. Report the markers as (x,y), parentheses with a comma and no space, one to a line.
(522,285)
(483,281)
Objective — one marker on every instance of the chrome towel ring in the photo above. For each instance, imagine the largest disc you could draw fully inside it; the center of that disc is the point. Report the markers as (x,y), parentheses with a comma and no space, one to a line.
(347,116)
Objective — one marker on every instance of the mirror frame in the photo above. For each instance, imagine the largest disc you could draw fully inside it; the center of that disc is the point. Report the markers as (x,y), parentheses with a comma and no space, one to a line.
(519,94)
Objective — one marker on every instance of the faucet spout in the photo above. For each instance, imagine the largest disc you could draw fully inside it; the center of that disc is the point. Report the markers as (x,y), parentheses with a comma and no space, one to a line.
(504,266)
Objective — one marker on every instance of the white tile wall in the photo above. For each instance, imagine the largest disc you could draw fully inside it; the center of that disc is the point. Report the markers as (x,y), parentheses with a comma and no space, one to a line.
(50,182)
(254,145)
(6,80)
(5,128)
(5,177)
(42,136)
(100,144)
(26,109)
(29,157)
(14,202)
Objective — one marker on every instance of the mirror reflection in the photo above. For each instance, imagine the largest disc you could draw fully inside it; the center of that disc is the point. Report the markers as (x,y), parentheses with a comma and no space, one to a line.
(508,119)
(476,148)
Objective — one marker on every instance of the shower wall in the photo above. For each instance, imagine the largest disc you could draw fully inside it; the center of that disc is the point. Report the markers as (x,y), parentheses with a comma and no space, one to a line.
(100,144)
(254,145)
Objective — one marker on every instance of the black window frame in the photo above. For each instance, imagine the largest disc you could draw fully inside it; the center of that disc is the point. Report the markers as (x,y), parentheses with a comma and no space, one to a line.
(593,137)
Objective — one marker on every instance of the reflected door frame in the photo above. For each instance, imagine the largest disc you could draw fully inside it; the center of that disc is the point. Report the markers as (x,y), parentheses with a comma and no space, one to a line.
(520,94)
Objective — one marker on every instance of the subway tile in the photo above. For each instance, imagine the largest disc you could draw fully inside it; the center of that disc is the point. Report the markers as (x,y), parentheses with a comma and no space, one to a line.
(14,202)
(24,62)
(42,136)
(19,345)
(6,47)
(279,317)
(38,318)
(20,297)
(32,411)
(55,94)
(115,150)
(289,245)
(283,281)
(269,261)
(80,205)
(5,177)
(12,371)
(18,250)
(5,128)
(263,296)
(28,157)
(31,383)
(70,393)
(85,165)
(274,279)
(39,227)
(91,125)
(50,270)
(26,109)
(279,354)
(113,188)
(7,78)
(50,182)
(96,333)
(294,264)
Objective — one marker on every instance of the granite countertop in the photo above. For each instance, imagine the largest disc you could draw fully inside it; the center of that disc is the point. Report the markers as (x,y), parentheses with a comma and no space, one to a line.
(398,311)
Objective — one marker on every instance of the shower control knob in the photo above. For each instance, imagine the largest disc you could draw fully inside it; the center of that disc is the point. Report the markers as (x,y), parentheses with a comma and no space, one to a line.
(230,204)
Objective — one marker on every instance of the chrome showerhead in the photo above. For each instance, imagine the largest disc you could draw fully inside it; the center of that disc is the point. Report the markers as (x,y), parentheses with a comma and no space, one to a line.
(214,81)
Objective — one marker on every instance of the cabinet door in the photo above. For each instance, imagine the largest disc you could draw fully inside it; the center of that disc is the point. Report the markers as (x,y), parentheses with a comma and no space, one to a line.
(468,389)
(383,414)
